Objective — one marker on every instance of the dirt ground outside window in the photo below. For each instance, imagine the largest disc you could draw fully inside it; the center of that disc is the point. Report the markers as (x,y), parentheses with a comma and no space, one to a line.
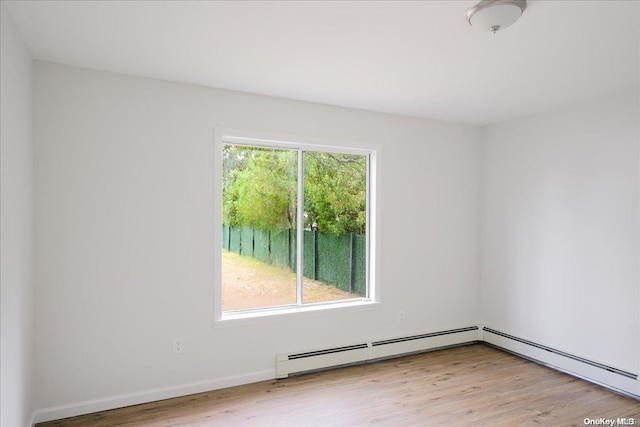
(250,283)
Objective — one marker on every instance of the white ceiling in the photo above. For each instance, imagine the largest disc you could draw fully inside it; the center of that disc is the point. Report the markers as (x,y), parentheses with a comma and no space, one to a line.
(417,58)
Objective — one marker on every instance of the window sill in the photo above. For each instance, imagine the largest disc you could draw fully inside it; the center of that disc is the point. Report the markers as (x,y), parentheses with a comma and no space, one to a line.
(260,316)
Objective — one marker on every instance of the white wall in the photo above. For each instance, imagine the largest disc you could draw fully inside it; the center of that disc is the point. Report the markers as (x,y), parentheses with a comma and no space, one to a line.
(16,226)
(548,205)
(560,230)
(123,218)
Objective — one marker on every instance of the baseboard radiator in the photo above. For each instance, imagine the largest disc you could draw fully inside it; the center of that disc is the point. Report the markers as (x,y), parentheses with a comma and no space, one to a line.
(613,378)
(294,363)
(564,354)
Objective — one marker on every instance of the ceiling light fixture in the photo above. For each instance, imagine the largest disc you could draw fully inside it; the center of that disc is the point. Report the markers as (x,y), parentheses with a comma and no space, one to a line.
(494,15)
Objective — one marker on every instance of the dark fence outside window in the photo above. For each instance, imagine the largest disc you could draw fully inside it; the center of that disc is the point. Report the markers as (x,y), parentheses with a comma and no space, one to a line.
(338,260)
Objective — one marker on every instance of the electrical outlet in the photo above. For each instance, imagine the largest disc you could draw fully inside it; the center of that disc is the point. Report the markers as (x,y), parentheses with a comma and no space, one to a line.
(401,316)
(178,345)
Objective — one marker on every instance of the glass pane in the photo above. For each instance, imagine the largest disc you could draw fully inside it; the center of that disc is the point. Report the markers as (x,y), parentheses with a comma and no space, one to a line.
(335,208)
(258,232)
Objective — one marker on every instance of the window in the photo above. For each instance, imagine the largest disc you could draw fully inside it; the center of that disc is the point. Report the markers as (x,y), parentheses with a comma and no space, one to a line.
(295,223)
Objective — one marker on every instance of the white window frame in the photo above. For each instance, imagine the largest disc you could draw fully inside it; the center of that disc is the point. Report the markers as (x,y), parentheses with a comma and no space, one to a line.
(249,138)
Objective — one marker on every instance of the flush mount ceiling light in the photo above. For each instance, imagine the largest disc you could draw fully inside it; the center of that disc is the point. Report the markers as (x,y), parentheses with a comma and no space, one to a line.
(494,15)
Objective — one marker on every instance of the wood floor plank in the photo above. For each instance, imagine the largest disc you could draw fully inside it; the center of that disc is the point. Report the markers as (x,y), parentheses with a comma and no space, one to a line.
(474,385)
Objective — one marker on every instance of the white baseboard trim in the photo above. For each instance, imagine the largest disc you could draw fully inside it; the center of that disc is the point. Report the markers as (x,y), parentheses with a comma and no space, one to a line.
(97,405)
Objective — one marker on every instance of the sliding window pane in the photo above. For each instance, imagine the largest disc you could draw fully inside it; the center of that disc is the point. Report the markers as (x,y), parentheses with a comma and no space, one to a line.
(335,224)
(259,227)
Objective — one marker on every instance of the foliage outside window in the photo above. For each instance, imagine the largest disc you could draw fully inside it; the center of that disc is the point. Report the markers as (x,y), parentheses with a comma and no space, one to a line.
(294,226)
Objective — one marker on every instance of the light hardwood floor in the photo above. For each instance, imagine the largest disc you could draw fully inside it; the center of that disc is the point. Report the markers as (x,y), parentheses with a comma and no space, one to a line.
(473,385)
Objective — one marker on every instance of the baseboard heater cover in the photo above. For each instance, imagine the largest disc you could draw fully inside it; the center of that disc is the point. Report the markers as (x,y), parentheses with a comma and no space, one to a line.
(429,335)
(327,351)
(564,354)
(287,364)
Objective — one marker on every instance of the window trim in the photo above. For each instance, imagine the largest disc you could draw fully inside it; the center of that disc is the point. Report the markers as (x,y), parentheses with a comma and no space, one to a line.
(242,137)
